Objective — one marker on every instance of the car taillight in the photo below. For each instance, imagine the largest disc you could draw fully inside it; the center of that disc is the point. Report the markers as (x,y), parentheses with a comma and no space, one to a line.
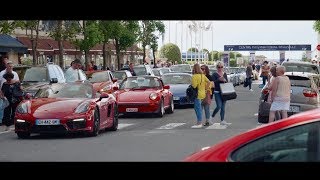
(309,93)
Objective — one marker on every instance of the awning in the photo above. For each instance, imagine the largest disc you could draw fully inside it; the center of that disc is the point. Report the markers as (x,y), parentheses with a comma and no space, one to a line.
(8,44)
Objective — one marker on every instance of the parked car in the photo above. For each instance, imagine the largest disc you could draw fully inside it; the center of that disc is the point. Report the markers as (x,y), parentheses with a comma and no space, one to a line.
(143,70)
(121,75)
(304,95)
(63,108)
(182,68)
(144,94)
(103,81)
(179,83)
(295,139)
(157,72)
(299,66)
(36,77)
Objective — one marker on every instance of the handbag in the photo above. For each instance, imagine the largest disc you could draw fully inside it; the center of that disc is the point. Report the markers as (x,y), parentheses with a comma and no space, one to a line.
(227,91)
(207,99)
(192,93)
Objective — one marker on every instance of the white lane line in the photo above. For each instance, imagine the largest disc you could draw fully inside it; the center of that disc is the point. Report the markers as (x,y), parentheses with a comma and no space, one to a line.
(123,125)
(216,126)
(171,126)
(256,114)
(10,130)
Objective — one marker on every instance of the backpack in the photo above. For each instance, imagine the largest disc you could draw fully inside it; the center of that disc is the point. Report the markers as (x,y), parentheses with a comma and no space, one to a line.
(192,93)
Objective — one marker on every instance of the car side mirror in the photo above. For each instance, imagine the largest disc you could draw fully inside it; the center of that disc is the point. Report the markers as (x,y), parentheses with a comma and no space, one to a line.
(115,88)
(114,80)
(166,87)
(103,95)
(54,80)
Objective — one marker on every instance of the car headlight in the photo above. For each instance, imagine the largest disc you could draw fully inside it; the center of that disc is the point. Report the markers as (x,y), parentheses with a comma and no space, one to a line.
(22,108)
(153,96)
(83,107)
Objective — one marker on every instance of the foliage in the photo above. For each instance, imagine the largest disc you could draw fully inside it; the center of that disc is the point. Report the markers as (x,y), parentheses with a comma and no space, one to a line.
(193,50)
(316,26)
(171,52)
(7,27)
(233,63)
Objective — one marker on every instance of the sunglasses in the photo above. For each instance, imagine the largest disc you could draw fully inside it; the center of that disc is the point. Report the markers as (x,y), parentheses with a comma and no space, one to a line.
(220,66)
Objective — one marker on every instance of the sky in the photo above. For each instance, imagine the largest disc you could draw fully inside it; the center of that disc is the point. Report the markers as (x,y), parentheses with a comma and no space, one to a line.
(222,33)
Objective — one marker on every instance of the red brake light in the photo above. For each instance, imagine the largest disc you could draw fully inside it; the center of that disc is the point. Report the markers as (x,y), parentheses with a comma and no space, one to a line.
(309,93)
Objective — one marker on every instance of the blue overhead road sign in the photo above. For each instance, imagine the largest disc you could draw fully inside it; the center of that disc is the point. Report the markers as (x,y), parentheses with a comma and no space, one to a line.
(295,47)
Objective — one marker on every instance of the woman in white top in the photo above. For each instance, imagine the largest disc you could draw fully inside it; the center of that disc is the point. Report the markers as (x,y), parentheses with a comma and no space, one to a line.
(280,96)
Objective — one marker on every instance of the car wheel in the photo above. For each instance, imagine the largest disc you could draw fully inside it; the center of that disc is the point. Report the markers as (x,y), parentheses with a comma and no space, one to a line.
(171,107)
(96,123)
(161,109)
(23,135)
(115,121)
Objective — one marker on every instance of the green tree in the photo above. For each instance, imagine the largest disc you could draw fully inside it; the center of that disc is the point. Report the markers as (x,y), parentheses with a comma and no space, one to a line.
(239,55)
(316,26)
(233,63)
(33,28)
(7,27)
(214,55)
(106,28)
(193,49)
(232,55)
(171,52)
(124,34)
(147,33)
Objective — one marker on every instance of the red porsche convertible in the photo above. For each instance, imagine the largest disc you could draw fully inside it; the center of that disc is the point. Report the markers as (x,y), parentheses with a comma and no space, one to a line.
(144,94)
(295,139)
(62,108)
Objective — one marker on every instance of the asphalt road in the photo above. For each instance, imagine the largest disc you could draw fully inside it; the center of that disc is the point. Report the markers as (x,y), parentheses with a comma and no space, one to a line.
(144,138)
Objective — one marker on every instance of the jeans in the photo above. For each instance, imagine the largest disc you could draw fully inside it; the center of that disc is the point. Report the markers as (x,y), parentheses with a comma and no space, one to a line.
(264,78)
(198,109)
(220,105)
(249,80)
(206,108)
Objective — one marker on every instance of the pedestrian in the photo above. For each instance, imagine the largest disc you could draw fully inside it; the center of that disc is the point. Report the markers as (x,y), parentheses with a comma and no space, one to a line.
(249,75)
(209,95)
(219,77)
(132,70)
(9,68)
(3,62)
(265,70)
(280,96)
(74,73)
(94,66)
(3,104)
(12,90)
(199,81)
(271,77)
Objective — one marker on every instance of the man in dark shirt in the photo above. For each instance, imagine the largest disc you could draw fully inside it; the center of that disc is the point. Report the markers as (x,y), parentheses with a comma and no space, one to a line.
(132,70)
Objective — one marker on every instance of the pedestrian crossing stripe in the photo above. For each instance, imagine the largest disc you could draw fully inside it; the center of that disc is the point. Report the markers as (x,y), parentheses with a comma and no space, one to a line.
(217,126)
(123,125)
(171,125)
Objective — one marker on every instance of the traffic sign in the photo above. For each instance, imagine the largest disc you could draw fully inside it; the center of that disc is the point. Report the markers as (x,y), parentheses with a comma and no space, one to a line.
(318,47)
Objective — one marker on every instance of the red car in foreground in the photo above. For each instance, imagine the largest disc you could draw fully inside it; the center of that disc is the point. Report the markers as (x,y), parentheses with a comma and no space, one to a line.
(144,94)
(63,108)
(295,139)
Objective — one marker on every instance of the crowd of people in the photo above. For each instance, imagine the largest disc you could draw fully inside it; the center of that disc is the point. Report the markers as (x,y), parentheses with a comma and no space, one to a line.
(278,86)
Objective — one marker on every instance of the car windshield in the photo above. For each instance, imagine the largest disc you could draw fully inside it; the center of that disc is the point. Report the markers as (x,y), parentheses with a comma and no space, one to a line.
(36,74)
(300,81)
(296,67)
(140,70)
(140,82)
(99,77)
(176,79)
(119,75)
(165,70)
(181,68)
(156,72)
(74,90)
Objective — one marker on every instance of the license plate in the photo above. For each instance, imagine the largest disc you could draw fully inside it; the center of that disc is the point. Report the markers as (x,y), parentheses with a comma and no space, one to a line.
(48,122)
(176,98)
(294,109)
(131,109)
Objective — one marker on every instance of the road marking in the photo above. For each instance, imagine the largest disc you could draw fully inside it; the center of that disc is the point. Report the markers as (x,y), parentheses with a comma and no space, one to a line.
(123,125)
(10,130)
(256,114)
(216,126)
(160,131)
(171,125)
